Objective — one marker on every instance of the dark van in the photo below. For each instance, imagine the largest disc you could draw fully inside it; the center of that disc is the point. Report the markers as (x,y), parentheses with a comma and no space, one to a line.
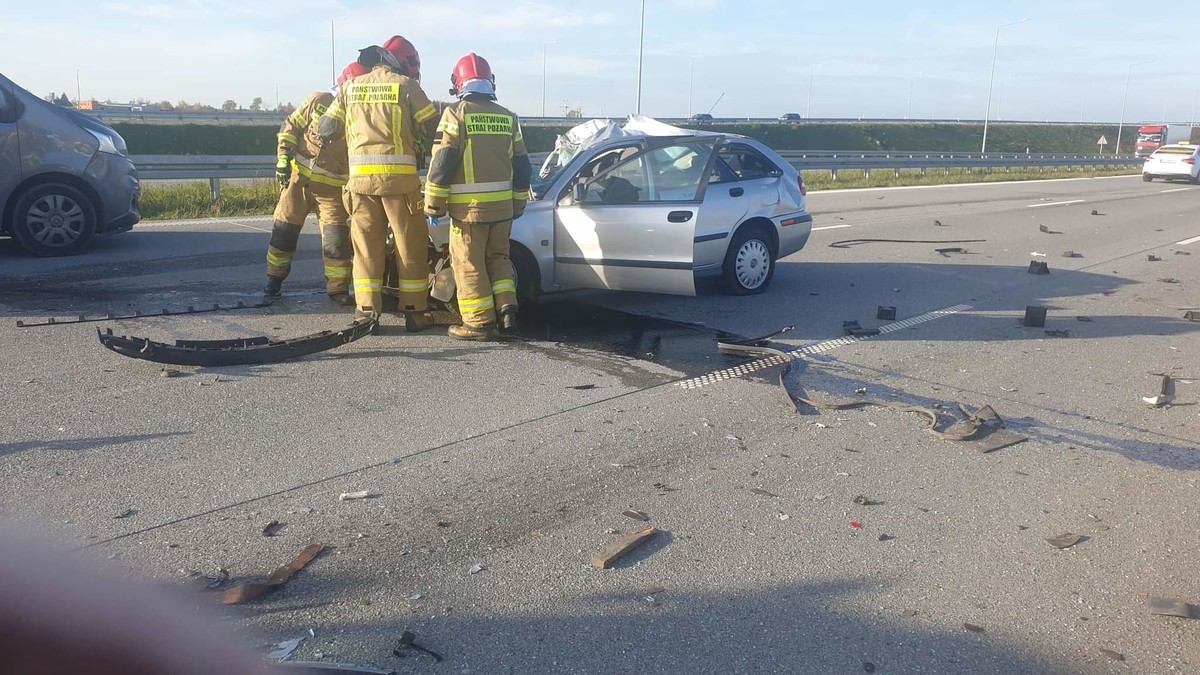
(64,177)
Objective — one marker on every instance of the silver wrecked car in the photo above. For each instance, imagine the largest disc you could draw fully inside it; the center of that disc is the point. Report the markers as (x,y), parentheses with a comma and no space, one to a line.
(649,207)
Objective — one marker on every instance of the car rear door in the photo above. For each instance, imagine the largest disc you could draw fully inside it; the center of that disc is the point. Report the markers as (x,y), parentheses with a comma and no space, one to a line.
(632,227)
(10,149)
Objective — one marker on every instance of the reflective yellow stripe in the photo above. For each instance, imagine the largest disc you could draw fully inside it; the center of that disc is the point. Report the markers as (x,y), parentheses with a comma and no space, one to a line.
(337,112)
(279,260)
(398,130)
(368,285)
(473,188)
(300,119)
(412,285)
(448,127)
(288,138)
(518,138)
(337,272)
(504,286)
(316,174)
(425,113)
(469,162)
(477,304)
(436,190)
(522,195)
(481,197)
(383,170)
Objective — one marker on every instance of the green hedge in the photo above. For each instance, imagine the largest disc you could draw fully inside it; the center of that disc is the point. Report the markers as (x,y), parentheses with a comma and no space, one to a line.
(209,139)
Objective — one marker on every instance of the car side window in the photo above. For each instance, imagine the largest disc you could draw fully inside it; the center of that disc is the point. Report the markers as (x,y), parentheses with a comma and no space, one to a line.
(626,183)
(679,171)
(746,163)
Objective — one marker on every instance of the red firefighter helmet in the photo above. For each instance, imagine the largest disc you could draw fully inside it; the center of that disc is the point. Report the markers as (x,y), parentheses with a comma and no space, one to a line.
(474,70)
(405,55)
(352,71)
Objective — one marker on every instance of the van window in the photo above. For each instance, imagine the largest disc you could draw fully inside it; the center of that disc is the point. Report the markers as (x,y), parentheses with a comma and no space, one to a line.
(8,106)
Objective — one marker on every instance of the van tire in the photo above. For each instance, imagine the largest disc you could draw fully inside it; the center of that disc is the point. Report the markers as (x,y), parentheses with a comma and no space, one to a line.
(54,219)
(1147,177)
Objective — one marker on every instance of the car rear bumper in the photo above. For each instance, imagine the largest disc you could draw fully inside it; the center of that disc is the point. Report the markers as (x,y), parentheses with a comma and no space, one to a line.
(1168,171)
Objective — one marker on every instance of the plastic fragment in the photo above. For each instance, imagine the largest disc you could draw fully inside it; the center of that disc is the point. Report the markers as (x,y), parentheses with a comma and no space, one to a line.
(855,525)
(285,649)
(349,496)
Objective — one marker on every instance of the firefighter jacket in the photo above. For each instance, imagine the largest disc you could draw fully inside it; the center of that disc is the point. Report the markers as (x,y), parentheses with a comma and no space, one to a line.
(480,170)
(380,114)
(326,166)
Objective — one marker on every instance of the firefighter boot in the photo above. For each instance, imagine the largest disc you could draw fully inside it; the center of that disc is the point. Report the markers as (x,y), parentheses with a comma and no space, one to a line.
(508,319)
(415,322)
(487,332)
(343,299)
(274,284)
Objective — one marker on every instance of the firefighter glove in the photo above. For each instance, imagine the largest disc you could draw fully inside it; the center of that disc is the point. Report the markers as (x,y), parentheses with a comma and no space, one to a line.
(283,170)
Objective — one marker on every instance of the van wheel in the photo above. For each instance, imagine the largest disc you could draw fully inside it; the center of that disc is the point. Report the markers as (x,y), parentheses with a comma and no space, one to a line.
(749,262)
(54,219)
(1147,177)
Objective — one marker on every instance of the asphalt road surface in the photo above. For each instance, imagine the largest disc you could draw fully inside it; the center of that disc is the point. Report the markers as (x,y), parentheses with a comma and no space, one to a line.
(520,457)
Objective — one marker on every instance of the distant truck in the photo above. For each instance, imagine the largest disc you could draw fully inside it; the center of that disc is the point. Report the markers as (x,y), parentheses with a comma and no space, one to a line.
(1153,136)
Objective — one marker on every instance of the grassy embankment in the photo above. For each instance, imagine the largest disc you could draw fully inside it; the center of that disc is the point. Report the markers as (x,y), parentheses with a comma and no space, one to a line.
(193,200)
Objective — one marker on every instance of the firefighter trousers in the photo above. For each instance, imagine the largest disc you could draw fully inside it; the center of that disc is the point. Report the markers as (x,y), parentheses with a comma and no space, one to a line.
(370,216)
(296,201)
(483,271)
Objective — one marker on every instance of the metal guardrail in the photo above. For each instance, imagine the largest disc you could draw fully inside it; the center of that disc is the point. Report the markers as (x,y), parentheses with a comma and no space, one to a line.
(216,168)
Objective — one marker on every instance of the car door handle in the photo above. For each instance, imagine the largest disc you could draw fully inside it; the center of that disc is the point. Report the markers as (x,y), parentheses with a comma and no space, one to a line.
(679,216)
(736,192)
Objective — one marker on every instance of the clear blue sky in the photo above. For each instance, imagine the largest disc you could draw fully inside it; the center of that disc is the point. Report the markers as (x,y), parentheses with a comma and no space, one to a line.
(1071,59)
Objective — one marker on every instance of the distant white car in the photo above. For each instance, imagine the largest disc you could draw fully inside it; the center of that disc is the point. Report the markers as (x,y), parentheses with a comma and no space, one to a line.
(1173,162)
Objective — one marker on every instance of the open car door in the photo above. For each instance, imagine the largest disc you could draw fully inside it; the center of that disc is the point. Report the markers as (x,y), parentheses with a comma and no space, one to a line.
(628,222)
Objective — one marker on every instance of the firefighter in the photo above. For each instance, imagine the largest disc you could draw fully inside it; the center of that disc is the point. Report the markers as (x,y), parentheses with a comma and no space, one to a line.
(479,174)
(311,177)
(381,114)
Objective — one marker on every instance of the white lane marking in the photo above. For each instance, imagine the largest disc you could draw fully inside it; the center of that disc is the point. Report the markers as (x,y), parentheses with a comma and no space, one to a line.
(830,227)
(1163,192)
(1073,201)
(1031,183)
(1185,242)
(817,348)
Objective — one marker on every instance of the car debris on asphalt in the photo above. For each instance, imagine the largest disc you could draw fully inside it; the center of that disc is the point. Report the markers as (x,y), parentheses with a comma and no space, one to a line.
(1035,317)
(354,496)
(253,591)
(1166,393)
(885,313)
(974,628)
(476,569)
(1173,607)
(284,649)
(1113,655)
(636,515)
(1065,541)
(408,640)
(323,668)
(1046,230)
(272,528)
(1038,267)
(614,551)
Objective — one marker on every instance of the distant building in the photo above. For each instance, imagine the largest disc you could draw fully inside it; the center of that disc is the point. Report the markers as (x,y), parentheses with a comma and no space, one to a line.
(94,105)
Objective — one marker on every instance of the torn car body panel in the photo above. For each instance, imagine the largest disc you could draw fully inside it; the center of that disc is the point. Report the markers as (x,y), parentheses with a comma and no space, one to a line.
(237,352)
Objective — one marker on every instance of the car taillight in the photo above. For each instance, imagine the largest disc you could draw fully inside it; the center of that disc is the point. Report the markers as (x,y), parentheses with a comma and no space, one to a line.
(1190,160)
(803,187)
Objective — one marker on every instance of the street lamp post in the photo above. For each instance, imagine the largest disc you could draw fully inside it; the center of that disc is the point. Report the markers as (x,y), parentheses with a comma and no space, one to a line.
(812,70)
(544,46)
(641,43)
(1125,100)
(333,47)
(691,81)
(991,81)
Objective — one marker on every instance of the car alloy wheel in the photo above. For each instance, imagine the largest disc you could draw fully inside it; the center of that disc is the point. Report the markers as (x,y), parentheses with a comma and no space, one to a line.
(753,264)
(55,220)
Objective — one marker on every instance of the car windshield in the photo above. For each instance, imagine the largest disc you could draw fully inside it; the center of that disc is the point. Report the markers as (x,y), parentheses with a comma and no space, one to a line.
(1149,138)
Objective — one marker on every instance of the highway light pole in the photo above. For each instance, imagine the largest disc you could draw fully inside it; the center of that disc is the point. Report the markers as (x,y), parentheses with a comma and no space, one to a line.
(544,46)
(812,70)
(641,44)
(333,47)
(992,80)
(1125,99)
(691,81)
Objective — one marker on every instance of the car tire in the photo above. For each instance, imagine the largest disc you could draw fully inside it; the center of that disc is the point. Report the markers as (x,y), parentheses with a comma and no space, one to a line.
(749,262)
(1195,180)
(54,219)
(526,274)
(1147,177)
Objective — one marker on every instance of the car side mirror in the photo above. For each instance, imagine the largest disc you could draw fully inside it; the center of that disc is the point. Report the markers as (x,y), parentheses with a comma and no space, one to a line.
(579,192)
